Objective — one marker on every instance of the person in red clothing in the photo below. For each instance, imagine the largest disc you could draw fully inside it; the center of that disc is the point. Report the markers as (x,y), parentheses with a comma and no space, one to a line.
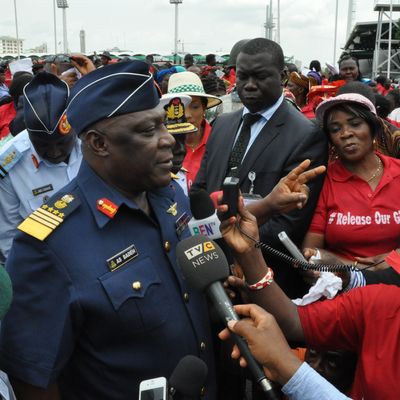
(357,217)
(7,114)
(383,85)
(8,111)
(190,84)
(365,320)
(299,85)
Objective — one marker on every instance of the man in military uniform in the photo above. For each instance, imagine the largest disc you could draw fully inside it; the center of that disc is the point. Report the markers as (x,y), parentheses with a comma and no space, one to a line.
(100,303)
(40,160)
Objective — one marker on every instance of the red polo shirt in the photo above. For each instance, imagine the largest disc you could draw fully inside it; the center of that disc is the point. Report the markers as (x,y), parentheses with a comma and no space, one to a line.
(193,157)
(367,321)
(356,221)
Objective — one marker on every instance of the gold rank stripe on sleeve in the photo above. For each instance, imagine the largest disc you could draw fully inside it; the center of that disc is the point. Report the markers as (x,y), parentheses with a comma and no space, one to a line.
(43,221)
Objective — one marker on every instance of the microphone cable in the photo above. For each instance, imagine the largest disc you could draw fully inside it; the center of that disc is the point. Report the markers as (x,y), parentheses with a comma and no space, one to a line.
(299,263)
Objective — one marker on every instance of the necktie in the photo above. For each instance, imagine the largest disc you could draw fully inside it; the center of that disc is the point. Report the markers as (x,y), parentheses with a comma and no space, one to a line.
(239,149)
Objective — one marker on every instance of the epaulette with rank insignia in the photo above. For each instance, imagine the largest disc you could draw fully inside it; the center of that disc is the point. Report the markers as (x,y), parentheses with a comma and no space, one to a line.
(8,159)
(48,217)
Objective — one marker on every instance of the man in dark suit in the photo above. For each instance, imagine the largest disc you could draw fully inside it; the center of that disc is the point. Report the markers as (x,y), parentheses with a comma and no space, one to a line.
(275,140)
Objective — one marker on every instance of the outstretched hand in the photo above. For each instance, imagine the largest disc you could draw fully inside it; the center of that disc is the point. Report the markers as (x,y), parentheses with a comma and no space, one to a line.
(291,191)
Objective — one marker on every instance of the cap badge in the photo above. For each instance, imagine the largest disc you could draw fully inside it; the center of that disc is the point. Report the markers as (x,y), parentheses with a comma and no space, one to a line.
(64,127)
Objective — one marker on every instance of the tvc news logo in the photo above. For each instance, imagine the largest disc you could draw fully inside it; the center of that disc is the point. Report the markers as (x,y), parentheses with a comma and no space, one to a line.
(199,249)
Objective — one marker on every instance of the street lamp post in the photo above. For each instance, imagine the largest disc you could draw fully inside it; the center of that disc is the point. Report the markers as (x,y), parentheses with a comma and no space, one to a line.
(335,37)
(16,29)
(64,5)
(55,27)
(176,2)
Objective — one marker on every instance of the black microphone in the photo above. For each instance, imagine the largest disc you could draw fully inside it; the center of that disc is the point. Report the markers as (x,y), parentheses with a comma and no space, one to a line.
(188,378)
(204,264)
(205,221)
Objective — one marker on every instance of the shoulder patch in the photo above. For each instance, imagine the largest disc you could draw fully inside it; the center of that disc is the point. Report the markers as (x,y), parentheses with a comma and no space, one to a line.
(8,159)
(48,217)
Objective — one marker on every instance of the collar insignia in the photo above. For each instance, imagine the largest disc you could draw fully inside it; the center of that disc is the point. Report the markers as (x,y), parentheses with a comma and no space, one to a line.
(107,207)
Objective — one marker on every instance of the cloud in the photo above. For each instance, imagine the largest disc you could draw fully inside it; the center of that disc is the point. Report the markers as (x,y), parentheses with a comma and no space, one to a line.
(204,25)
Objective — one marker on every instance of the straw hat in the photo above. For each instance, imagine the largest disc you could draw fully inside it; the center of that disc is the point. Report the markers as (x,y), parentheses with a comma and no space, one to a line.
(189,83)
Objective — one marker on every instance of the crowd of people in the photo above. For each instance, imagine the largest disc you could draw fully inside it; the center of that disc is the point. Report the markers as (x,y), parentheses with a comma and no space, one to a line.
(98,160)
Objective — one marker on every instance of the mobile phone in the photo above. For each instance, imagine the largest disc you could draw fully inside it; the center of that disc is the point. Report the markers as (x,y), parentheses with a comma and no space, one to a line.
(290,246)
(153,389)
(230,196)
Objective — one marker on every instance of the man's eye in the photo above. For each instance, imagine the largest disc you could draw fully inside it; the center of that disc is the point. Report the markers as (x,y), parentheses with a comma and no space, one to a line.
(149,129)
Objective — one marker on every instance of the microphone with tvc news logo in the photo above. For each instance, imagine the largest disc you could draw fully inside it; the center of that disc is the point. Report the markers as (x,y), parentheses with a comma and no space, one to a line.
(204,265)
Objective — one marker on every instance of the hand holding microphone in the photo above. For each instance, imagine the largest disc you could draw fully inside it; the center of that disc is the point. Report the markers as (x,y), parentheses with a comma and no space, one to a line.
(204,265)
(266,342)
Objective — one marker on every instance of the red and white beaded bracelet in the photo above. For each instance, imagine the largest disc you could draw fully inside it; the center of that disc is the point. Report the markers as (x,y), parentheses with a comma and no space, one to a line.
(263,282)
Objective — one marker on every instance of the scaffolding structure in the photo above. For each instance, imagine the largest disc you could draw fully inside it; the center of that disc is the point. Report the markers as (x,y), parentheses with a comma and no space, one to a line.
(386,59)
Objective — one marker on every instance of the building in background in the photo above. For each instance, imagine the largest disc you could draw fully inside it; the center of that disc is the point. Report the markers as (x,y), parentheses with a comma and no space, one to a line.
(9,45)
(41,49)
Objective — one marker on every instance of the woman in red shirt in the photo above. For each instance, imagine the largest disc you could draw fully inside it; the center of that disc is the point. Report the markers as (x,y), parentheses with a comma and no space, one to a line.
(190,84)
(358,213)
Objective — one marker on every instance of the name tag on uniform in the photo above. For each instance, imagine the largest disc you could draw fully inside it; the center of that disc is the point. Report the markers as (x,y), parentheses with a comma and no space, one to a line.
(122,258)
(42,189)
(181,223)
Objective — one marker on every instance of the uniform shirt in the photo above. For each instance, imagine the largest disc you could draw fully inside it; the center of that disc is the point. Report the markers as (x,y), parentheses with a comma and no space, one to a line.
(366,321)
(181,179)
(29,182)
(356,221)
(97,331)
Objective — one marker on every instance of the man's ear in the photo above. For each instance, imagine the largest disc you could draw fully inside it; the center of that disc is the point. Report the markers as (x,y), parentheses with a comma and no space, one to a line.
(96,142)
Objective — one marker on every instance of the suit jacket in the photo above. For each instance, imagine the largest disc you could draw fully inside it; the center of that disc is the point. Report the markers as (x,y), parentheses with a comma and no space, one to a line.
(287,139)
